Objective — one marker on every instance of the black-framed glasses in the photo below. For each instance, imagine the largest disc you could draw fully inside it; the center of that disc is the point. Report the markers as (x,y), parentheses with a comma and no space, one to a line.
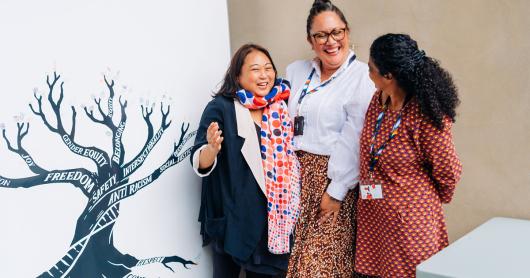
(336,34)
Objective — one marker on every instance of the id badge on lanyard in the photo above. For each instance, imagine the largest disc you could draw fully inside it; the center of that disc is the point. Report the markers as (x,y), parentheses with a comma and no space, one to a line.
(371,188)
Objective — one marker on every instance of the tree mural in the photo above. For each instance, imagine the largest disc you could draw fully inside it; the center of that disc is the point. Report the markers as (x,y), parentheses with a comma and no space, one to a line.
(92,252)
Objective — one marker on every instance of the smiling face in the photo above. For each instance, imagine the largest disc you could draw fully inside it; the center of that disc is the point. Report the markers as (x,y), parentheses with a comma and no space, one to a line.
(332,53)
(257,74)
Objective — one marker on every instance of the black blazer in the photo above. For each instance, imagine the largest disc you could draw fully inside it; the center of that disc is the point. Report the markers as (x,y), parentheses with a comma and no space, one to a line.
(233,205)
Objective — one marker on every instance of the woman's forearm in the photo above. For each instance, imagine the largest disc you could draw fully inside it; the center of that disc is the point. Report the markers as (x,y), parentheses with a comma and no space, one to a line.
(207,157)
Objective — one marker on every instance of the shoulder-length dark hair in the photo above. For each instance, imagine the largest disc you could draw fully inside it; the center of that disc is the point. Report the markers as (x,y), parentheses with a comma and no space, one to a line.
(230,85)
(418,75)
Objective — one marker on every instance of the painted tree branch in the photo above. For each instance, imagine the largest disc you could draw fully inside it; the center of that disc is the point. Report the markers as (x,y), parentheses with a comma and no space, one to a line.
(79,177)
(118,153)
(146,114)
(152,139)
(122,192)
(117,131)
(91,116)
(98,156)
(106,117)
(184,137)
(110,102)
(20,149)
(74,115)
(41,114)
(165,261)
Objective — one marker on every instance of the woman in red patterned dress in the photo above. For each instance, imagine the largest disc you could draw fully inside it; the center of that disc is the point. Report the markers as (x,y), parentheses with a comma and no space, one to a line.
(409,165)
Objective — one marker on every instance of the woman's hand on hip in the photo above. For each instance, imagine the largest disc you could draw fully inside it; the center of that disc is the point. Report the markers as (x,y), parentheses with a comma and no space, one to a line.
(329,209)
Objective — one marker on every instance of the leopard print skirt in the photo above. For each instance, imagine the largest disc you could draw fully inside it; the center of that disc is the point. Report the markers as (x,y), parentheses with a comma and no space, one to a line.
(325,250)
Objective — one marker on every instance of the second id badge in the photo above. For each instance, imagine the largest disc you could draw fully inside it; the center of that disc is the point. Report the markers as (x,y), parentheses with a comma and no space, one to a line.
(299,125)
(371,190)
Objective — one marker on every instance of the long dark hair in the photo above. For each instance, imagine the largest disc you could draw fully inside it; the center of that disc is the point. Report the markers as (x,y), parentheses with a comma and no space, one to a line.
(230,85)
(320,6)
(417,74)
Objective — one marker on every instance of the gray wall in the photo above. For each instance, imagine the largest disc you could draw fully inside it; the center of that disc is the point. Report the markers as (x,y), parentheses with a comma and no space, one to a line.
(484,44)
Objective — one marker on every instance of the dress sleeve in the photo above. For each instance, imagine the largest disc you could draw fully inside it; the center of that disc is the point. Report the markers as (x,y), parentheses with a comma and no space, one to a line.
(440,157)
(212,113)
(343,165)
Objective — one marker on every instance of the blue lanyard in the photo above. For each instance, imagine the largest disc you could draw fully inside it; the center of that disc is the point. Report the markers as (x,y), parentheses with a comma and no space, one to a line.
(306,85)
(376,154)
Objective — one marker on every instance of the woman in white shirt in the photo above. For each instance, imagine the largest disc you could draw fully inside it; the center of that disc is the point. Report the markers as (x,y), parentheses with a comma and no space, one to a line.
(330,96)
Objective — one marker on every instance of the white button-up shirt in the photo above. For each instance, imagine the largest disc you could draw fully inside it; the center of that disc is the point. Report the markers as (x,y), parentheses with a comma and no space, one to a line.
(333,117)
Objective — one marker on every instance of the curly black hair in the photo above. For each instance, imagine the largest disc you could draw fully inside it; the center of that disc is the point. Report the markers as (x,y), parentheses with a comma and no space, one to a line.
(418,75)
(320,6)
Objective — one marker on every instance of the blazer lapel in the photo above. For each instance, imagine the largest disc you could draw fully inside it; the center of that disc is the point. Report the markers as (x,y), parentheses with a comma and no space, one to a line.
(251,147)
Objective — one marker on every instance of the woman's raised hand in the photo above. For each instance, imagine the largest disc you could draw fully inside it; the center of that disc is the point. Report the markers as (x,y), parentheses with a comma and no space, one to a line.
(214,138)
(208,154)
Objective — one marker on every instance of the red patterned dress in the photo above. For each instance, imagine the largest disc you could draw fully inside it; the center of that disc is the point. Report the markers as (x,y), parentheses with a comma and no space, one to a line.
(418,169)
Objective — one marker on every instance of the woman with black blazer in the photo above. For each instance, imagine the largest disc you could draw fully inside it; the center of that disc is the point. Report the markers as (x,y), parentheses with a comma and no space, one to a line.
(243,151)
